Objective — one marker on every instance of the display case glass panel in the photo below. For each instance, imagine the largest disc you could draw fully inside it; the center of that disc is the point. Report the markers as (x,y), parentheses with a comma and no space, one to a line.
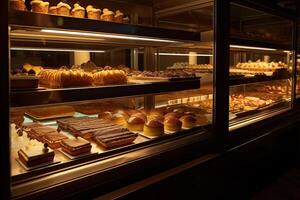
(260,65)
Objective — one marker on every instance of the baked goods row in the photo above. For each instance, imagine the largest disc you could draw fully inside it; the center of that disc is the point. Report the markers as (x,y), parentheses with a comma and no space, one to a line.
(64,9)
(261,66)
(77,136)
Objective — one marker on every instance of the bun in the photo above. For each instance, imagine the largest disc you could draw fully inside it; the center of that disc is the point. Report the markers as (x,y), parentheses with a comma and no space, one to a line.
(135,123)
(172,124)
(188,121)
(154,128)
(119,119)
(173,114)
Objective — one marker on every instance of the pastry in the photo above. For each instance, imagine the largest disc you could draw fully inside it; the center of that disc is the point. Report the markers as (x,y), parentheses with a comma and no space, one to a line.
(76,147)
(54,139)
(24,81)
(107,15)
(39,132)
(119,118)
(188,121)
(17,5)
(172,124)
(53,10)
(126,19)
(140,115)
(35,155)
(63,9)
(51,112)
(78,11)
(115,138)
(154,128)
(106,115)
(39,6)
(173,114)
(135,123)
(109,77)
(119,16)
(93,13)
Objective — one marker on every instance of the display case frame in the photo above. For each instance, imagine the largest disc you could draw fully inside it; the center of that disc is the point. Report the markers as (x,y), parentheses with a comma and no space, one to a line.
(221,81)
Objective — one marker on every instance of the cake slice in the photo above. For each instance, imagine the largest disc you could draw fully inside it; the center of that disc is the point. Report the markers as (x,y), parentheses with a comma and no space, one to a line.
(35,155)
(76,147)
(54,140)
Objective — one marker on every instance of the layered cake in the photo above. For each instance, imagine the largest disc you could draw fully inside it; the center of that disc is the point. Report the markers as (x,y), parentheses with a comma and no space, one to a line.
(35,155)
(76,147)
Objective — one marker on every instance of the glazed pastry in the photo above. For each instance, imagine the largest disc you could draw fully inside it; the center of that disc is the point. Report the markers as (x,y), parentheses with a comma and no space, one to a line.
(17,5)
(93,13)
(76,147)
(154,128)
(119,16)
(109,77)
(63,9)
(188,121)
(135,123)
(39,6)
(53,10)
(78,11)
(107,15)
(172,124)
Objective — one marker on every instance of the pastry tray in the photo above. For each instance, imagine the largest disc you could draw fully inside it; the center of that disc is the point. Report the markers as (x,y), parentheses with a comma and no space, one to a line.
(47,164)
(77,157)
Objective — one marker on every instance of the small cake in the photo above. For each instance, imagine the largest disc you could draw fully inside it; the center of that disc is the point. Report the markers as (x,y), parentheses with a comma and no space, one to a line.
(119,16)
(93,13)
(76,147)
(140,115)
(53,10)
(35,155)
(135,123)
(63,9)
(154,128)
(107,15)
(173,114)
(172,124)
(54,139)
(39,6)
(17,5)
(188,121)
(78,11)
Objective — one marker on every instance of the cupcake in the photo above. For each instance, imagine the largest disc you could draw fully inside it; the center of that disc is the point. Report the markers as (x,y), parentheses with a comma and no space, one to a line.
(107,15)
(119,16)
(93,13)
(63,9)
(17,5)
(78,11)
(53,10)
(39,6)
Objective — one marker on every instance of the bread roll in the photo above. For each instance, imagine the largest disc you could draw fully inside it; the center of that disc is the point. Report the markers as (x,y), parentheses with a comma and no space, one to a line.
(135,124)
(172,124)
(154,128)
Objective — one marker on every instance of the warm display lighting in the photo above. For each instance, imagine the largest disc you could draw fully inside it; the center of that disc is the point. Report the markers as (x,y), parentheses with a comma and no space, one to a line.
(105,35)
(57,50)
(255,48)
(183,54)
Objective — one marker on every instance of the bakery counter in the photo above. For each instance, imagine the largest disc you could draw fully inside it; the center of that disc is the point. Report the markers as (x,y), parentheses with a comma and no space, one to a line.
(42,96)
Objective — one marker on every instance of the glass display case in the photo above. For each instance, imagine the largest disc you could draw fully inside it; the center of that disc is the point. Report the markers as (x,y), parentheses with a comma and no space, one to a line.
(90,84)
(260,65)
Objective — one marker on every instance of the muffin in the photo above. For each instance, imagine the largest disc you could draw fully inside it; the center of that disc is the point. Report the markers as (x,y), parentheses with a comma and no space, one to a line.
(93,13)
(17,5)
(135,123)
(63,9)
(154,128)
(119,16)
(53,10)
(39,6)
(172,124)
(78,11)
(188,121)
(107,15)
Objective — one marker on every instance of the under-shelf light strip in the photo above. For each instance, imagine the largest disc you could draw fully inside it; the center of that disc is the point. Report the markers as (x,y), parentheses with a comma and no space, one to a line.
(57,50)
(254,48)
(184,54)
(105,35)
